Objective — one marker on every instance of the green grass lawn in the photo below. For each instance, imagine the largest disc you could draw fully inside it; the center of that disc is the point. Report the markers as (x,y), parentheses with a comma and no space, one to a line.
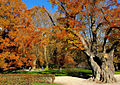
(57,73)
(117,72)
(74,73)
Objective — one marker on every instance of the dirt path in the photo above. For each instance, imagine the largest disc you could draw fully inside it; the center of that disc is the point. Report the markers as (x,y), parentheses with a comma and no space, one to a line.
(68,80)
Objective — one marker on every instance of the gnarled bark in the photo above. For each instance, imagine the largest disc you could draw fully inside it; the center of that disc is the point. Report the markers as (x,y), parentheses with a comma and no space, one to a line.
(103,72)
(95,69)
(107,67)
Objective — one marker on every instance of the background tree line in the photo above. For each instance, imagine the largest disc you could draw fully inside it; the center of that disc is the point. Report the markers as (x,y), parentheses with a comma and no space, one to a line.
(26,39)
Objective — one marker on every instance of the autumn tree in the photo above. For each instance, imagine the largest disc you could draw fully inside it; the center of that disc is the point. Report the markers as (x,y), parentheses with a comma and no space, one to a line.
(59,54)
(15,35)
(41,18)
(91,23)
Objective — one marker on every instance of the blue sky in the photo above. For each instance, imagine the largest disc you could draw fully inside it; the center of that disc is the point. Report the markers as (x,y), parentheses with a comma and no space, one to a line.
(45,3)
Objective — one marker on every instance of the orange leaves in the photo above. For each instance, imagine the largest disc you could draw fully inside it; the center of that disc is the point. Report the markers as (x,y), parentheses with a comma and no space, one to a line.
(79,47)
(13,41)
(41,60)
(2,64)
(11,13)
(11,59)
(21,36)
(69,60)
(54,2)
(73,47)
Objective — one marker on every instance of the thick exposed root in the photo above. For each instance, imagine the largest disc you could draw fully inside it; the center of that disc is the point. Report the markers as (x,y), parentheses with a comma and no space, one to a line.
(94,80)
(110,79)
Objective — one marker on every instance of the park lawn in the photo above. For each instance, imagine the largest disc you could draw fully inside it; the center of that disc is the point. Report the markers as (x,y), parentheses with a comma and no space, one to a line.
(117,72)
(74,73)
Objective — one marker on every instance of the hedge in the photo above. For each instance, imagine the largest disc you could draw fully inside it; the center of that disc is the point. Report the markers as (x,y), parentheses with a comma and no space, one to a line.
(25,79)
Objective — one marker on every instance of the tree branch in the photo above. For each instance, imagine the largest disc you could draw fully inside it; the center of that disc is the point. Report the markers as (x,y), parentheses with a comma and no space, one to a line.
(98,26)
(113,46)
(50,17)
(66,13)
(80,37)
(105,17)
(63,8)
(105,39)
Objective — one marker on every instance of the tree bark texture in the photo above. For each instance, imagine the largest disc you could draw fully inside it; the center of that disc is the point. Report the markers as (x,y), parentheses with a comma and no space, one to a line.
(103,70)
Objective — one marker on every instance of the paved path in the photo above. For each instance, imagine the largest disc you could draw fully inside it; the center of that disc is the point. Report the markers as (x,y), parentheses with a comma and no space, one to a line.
(68,80)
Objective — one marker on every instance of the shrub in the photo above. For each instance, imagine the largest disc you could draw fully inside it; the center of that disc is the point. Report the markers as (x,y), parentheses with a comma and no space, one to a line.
(25,79)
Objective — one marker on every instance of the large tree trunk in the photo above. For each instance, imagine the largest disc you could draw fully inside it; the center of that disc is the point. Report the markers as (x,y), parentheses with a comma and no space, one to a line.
(103,72)
(107,69)
(95,69)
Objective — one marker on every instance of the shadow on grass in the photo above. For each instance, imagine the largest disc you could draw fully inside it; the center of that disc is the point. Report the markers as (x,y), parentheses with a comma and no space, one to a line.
(79,74)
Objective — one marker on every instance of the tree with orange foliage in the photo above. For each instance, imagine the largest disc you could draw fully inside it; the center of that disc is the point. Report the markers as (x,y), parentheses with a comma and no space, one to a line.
(60,56)
(15,35)
(42,20)
(89,24)
(42,24)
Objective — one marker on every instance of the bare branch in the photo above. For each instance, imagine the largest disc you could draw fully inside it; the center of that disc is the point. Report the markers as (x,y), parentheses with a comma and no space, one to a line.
(105,17)
(50,17)
(113,46)
(98,26)
(61,4)
(67,14)
(105,39)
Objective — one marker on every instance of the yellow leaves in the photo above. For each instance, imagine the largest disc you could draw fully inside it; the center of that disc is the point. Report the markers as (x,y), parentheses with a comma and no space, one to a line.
(41,60)
(116,59)
(70,35)
(70,41)
(16,39)
(66,49)
(77,43)
(44,41)
(3,65)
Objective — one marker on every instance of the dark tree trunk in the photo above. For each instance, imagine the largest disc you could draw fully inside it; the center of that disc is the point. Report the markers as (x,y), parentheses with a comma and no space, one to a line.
(103,69)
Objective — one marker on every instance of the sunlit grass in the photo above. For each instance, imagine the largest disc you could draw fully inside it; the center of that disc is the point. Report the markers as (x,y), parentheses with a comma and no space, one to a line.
(63,72)
(117,72)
